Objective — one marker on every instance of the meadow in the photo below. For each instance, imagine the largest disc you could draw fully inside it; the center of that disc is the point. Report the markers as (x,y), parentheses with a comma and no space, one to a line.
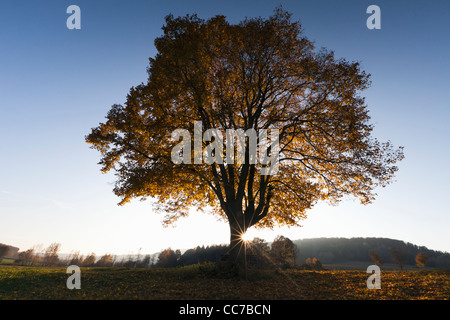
(203,282)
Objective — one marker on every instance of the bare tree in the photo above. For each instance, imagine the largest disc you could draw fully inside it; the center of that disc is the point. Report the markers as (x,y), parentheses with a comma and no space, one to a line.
(89,261)
(76,258)
(38,253)
(375,257)
(105,261)
(26,257)
(399,257)
(51,254)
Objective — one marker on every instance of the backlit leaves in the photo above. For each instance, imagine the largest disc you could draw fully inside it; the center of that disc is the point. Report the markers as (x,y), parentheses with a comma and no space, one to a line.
(257,74)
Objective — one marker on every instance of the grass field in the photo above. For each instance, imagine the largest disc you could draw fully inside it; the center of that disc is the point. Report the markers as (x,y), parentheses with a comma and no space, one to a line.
(6,261)
(202,282)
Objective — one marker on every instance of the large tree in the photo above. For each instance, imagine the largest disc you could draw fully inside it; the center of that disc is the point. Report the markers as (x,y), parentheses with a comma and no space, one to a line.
(257,74)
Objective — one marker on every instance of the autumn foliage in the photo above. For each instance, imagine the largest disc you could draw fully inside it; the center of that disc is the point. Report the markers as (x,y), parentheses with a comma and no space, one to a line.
(257,74)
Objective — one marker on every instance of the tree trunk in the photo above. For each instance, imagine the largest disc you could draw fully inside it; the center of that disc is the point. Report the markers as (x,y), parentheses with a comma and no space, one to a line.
(237,251)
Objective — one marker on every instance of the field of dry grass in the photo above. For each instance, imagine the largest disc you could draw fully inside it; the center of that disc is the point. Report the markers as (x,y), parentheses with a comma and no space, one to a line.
(203,282)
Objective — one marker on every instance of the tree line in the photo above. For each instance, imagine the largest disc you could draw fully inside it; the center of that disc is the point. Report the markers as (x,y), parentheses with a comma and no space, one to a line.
(371,250)
(50,257)
(281,253)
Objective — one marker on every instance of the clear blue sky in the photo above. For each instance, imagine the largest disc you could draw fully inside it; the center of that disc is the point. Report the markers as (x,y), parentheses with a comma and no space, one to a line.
(56,84)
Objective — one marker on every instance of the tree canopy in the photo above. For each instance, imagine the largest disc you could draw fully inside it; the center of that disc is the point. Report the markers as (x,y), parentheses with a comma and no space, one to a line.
(259,74)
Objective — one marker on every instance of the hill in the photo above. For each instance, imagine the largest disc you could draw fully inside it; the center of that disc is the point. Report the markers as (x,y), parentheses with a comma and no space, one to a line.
(345,250)
(8,252)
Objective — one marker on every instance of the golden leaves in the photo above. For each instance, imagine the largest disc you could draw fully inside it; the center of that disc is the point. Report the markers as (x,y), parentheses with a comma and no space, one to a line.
(195,282)
(259,73)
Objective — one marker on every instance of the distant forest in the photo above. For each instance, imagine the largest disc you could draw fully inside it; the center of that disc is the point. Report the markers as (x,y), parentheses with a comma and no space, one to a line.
(344,250)
(282,252)
(327,251)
